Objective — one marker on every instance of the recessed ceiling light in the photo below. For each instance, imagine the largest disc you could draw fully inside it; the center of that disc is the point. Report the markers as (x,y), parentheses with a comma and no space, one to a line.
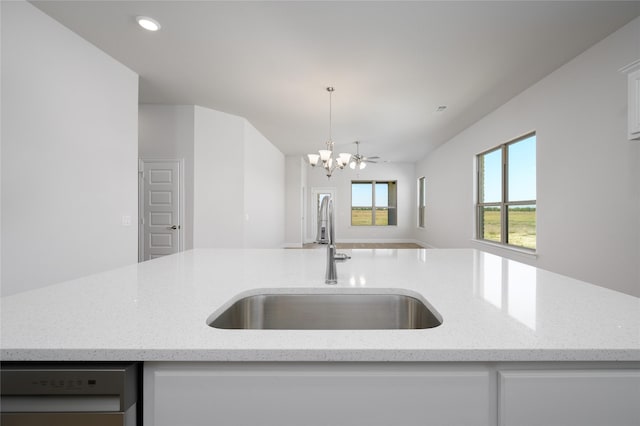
(147,23)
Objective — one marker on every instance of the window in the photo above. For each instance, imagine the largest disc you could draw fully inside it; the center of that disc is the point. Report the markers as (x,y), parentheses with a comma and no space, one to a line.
(506,209)
(421,201)
(373,203)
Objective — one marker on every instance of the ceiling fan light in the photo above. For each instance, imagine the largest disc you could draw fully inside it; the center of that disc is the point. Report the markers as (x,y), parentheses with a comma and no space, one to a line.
(362,165)
(352,165)
(313,159)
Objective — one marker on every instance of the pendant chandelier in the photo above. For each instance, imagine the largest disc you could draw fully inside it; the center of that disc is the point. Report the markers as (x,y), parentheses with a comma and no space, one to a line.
(325,157)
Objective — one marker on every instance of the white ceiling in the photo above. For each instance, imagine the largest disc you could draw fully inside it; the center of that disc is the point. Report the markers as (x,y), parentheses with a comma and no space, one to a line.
(391,63)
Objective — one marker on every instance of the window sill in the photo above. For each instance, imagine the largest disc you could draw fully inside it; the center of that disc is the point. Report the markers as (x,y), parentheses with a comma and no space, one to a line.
(520,251)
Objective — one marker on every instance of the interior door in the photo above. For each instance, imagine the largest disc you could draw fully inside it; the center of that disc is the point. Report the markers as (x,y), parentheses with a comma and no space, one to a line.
(160,208)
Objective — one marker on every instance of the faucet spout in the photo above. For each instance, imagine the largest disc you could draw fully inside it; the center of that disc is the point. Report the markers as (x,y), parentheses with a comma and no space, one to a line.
(326,213)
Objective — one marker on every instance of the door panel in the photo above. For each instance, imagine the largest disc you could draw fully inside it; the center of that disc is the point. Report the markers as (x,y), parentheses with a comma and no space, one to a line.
(160,198)
(315,394)
(569,397)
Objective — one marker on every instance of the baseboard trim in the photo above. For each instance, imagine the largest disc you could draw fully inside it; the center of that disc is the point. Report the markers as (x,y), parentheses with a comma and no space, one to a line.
(424,244)
(377,240)
(292,245)
(370,240)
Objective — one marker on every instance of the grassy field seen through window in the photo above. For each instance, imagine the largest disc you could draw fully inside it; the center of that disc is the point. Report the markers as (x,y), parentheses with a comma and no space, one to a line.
(521,226)
(361,216)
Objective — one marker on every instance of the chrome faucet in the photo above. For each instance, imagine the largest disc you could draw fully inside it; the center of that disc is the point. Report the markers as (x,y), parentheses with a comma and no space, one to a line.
(326,215)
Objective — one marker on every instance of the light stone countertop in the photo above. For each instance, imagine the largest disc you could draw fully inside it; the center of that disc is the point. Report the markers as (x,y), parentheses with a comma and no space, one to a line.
(494,309)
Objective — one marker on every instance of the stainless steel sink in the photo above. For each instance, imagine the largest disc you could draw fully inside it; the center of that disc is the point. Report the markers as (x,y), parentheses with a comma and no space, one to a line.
(343,311)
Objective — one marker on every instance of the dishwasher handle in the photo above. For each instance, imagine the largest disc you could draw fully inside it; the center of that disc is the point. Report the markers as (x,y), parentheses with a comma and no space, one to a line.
(63,419)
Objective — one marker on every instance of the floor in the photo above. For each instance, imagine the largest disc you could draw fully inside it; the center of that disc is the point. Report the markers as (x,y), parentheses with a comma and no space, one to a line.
(344,246)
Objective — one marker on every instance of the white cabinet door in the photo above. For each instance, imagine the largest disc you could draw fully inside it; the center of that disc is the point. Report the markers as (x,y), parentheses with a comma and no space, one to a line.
(315,395)
(634,105)
(567,398)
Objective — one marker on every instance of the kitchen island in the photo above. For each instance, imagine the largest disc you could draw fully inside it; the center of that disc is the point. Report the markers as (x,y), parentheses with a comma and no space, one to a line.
(505,324)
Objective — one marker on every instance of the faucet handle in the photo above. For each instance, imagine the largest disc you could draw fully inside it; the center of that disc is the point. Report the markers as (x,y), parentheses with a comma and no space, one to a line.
(341,257)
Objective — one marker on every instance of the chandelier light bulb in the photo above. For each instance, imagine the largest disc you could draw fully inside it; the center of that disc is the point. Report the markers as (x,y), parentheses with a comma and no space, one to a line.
(313,159)
(343,159)
(325,154)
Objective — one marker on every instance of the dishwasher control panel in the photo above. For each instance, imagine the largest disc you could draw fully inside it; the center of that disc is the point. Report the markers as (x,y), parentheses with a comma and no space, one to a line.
(69,394)
(39,381)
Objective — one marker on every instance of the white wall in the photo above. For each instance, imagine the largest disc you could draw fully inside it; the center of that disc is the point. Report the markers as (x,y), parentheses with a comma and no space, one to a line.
(295,188)
(166,132)
(588,182)
(234,187)
(264,191)
(218,179)
(403,173)
(69,154)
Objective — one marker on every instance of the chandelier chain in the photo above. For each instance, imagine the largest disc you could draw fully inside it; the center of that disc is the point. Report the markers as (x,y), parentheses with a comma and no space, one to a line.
(330,90)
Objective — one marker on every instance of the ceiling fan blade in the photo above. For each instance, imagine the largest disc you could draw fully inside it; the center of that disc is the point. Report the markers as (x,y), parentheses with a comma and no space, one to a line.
(375,157)
(369,161)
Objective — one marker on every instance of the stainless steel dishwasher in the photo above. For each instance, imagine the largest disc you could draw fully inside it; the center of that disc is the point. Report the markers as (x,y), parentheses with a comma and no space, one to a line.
(65,394)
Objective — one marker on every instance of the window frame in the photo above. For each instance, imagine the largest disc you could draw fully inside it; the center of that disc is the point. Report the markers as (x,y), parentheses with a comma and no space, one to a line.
(373,203)
(422,202)
(504,202)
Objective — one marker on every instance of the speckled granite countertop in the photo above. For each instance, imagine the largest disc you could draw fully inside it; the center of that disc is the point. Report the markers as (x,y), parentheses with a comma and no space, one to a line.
(493,309)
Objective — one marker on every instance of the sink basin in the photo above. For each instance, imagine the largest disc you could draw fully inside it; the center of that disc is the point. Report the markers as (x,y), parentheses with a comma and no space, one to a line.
(320,311)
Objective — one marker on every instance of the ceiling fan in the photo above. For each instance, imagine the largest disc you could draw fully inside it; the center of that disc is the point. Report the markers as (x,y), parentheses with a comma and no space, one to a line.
(360,161)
